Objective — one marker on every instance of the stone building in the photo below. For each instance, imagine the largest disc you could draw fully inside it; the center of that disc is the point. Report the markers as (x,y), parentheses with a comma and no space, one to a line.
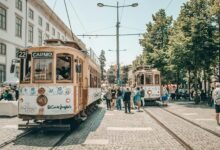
(25,23)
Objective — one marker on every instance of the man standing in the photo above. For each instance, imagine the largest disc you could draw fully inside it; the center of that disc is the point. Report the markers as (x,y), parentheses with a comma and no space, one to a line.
(113,91)
(142,96)
(216,98)
(127,99)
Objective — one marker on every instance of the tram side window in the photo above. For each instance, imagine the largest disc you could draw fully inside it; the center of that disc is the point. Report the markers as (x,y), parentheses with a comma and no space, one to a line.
(140,79)
(64,67)
(25,70)
(148,79)
(43,69)
(157,78)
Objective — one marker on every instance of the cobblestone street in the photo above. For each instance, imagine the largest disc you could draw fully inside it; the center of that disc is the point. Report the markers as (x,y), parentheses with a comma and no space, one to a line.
(113,130)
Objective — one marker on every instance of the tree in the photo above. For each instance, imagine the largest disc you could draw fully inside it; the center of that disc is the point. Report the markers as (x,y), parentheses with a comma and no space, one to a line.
(102,60)
(155,41)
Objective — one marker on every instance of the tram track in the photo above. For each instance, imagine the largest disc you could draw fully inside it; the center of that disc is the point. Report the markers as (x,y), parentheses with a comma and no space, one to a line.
(191,122)
(4,144)
(173,134)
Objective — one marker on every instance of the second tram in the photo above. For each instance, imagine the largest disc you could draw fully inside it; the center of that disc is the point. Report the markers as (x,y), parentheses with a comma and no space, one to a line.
(149,79)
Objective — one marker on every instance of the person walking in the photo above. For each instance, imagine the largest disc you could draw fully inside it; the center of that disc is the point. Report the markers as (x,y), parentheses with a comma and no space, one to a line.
(127,99)
(108,98)
(118,100)
(142,96)
(137,99)
(113,91)
(216,98)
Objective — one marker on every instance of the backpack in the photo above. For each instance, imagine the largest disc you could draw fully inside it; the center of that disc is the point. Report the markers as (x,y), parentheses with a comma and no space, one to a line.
(142,93)
(217,99)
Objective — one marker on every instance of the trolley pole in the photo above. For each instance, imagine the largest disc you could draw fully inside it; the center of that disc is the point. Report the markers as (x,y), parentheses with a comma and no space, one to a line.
(117,33)
(117,47)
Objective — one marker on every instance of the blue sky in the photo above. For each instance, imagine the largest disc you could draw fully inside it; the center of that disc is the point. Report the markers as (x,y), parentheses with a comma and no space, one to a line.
(87,18)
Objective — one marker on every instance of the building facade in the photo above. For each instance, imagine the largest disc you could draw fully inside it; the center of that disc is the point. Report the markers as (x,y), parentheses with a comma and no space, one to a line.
(25,23)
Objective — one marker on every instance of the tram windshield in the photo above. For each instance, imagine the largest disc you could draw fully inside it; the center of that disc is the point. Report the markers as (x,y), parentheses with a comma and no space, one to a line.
(148,79)
(43,69)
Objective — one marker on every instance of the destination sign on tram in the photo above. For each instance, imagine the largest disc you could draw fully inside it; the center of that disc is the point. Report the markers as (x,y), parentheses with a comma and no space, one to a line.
(42,55)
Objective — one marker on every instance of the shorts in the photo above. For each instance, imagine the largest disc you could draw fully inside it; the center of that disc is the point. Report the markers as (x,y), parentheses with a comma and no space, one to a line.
(217,108)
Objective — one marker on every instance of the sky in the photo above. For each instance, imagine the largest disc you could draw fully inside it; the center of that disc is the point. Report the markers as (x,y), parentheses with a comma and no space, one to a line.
(87,18)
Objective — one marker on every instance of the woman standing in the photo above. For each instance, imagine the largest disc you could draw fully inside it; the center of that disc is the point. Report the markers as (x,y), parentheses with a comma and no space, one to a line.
(137,99)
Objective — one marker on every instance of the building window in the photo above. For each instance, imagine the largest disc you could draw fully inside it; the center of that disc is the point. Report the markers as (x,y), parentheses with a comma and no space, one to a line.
(40,21)
(2,18)
(40,37)
(30,33)
(31,14)
(18,27)
(19,4)
(2,73)
(58,35)
(53,32)
(2,49)
(47,27)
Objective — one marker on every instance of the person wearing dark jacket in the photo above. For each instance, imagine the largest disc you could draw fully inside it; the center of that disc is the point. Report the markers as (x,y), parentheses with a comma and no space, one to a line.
(126,99)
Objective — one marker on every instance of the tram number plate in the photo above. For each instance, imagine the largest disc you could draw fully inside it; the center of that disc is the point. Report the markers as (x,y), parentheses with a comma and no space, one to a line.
(22,54)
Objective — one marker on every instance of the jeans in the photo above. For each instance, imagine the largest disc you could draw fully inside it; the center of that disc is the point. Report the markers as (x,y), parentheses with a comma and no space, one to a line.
(108,102)
(118,103)
(127,106)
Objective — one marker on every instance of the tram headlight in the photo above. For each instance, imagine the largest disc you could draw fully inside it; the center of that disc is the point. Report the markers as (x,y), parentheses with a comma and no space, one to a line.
(149,92)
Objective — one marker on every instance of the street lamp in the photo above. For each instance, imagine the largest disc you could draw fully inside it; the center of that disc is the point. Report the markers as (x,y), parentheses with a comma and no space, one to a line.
(117,31)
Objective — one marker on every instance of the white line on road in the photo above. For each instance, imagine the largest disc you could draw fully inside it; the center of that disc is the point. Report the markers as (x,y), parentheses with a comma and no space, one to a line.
(128,129)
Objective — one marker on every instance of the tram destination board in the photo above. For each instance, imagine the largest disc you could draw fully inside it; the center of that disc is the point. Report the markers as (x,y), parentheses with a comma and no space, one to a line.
(41,55)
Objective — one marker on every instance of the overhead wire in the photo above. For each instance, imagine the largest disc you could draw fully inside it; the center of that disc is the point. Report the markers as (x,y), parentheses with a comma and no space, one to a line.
(169,4)
(69,19)
(122,11)
(91,42)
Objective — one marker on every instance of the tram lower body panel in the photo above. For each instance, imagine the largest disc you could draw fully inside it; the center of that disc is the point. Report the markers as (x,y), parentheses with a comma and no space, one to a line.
(46,102)
(152,92)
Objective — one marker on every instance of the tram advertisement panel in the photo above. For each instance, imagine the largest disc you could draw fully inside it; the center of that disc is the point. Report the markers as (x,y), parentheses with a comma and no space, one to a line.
(94,94)
(152,91)
(46,100)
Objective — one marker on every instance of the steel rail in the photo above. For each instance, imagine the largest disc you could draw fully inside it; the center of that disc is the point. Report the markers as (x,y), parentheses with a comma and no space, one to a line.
(15,138)
(175,136)
(187,120)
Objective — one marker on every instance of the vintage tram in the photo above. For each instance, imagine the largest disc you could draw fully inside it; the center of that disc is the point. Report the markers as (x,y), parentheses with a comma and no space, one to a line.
(58,81)
(148,78)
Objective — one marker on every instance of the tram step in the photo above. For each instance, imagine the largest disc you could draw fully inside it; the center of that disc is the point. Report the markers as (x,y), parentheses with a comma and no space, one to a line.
(57,127)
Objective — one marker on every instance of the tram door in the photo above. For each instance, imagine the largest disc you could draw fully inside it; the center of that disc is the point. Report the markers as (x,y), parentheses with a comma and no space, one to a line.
(80,84)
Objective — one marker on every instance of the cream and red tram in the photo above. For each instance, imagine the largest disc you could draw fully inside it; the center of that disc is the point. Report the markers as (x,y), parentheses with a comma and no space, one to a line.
(149,79)
(57,82)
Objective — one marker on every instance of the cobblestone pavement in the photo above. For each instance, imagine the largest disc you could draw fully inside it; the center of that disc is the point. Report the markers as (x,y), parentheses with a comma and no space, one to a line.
(9,128)
(196,137)
(120,131)
(200,114)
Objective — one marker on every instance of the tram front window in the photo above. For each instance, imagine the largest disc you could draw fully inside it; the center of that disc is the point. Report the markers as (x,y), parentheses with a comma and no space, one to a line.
(25,70)
(148,79)
(43,69)
(140,79)
(63,67)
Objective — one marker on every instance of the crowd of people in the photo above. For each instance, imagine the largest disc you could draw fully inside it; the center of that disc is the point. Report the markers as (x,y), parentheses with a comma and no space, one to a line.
(124,97)
(9,93)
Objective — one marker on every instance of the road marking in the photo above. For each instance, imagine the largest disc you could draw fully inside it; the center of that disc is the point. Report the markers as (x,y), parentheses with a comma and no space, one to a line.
(128,129)
(205,119)
(109,114)
(96,141)
(190,114)
(10,127)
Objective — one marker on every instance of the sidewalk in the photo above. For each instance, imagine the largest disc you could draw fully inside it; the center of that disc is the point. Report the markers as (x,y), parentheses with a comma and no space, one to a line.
(135,131)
